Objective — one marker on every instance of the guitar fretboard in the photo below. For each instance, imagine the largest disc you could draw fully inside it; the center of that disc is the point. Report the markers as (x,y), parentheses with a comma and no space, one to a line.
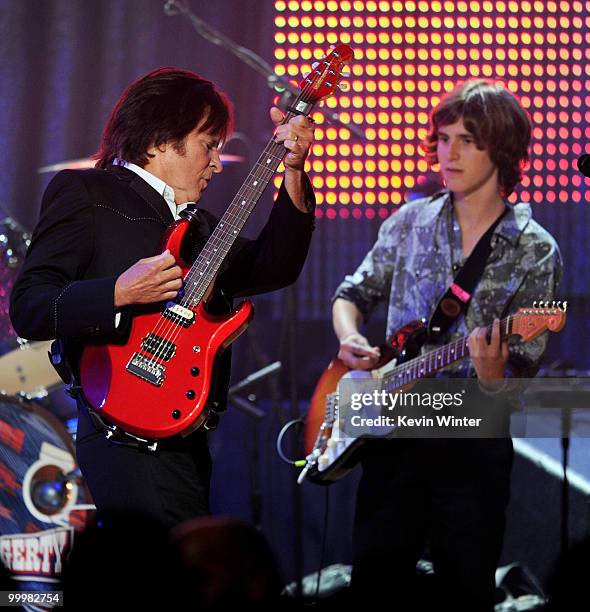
(211,257)
(433,361)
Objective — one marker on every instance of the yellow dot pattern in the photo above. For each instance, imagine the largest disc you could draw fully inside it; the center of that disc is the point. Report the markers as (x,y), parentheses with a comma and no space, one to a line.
(407,55)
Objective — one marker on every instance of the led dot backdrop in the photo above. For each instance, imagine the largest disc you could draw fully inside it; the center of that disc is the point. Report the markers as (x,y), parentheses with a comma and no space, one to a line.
(407,55)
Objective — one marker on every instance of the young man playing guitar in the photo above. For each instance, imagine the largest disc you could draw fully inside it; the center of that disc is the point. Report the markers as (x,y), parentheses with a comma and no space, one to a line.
(95,257)
(451,493)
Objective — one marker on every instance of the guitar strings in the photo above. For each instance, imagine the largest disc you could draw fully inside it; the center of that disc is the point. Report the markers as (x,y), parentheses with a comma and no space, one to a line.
(165,328)
(422,363)
(421,360)
(275,151)
(173,328)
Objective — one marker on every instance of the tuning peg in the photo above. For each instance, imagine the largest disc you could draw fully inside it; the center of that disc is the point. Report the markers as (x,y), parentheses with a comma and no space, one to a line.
(343,86)
(345,75)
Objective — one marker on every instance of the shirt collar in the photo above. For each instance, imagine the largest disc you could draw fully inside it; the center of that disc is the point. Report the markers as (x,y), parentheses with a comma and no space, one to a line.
(510,227)
(157,183)
(514,222)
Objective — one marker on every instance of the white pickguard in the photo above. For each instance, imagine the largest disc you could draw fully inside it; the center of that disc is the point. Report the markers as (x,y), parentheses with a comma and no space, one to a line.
(339,441)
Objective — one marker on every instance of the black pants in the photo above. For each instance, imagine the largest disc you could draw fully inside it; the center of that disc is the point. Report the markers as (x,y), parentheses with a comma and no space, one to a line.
(451,494)
(169,486)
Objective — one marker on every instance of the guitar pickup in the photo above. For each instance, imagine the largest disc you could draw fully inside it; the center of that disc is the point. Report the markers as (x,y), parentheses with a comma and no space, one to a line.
(157,346)
(179,314)
(145,368)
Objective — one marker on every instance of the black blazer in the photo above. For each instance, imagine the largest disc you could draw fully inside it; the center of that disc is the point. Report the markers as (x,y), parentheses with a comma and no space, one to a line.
(94,224)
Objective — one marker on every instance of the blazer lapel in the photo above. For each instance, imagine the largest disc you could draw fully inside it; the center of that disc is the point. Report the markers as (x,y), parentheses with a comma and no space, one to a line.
(148,194)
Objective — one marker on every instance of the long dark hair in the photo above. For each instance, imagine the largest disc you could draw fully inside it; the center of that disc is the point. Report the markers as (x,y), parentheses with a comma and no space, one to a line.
(162,106)
(497,121)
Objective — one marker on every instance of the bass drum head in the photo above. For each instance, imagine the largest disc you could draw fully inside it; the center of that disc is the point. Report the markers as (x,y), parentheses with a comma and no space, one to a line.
(43,500)
(27,369)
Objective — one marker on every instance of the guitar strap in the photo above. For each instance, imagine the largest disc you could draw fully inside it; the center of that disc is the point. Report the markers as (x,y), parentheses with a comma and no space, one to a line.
(455,300)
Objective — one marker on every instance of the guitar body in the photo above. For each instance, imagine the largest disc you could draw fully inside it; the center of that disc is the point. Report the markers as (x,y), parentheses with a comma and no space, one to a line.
(321,422)
(166,391)
(316,415)
(331,454)
(336,454)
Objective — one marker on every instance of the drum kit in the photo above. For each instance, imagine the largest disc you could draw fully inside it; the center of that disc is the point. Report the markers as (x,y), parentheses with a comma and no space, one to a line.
(43,498)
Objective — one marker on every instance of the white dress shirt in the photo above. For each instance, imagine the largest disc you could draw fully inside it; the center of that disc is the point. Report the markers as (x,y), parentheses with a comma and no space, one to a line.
(158,184)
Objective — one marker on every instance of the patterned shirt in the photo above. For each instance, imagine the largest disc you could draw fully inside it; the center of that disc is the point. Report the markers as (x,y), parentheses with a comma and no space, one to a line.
(416,258)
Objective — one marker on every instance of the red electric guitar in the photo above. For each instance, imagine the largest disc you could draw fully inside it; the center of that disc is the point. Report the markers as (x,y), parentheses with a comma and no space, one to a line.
(331,454)
(156,385)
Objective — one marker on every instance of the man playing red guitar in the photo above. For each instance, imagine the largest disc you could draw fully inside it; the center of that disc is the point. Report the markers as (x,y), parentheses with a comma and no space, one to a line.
(95,254)
(449,493)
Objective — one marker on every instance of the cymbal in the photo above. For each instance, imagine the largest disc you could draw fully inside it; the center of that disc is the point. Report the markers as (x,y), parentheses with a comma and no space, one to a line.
(88,162)
(70,164)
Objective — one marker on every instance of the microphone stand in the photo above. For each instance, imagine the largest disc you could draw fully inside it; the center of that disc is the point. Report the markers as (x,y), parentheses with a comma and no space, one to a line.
(566,425)
(256,415)
(277,83)
(566,402)
(298,553)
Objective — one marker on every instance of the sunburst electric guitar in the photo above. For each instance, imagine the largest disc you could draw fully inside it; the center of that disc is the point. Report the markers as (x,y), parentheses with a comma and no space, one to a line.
(331,454)
(157,383)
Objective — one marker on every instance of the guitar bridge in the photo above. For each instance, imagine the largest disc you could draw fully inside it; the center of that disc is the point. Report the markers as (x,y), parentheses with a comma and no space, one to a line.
(146,369)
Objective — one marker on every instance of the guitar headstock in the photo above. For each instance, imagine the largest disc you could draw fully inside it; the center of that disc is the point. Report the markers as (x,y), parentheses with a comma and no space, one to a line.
(324,78)
(532,322)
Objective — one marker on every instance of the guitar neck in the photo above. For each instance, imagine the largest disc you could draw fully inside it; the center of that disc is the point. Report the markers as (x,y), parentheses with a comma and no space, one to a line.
(437,359)
(317,85)
(209,260)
